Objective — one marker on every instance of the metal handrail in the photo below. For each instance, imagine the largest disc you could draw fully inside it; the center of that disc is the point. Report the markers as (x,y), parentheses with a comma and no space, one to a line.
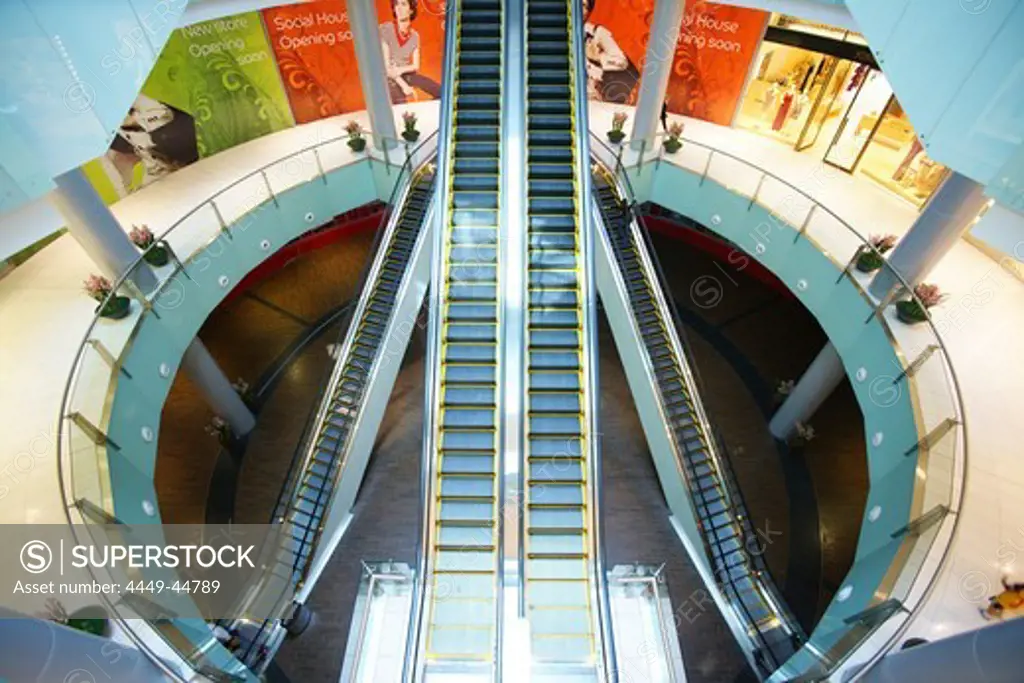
(65,472)
(952,380)
(415,645)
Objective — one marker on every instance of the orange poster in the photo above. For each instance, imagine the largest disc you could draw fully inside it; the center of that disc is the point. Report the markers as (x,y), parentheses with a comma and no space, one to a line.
(412,36)
(616,33)
(716,45)
(317,59)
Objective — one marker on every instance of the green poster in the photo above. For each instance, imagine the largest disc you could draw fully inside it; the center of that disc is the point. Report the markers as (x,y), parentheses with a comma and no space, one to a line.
(222,74)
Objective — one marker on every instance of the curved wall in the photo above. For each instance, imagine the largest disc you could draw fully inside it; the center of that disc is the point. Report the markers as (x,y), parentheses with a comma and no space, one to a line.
(183,304)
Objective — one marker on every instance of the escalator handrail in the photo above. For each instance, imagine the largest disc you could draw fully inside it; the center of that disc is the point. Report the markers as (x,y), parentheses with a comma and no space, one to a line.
(581,132)
(415,645)
(710,538)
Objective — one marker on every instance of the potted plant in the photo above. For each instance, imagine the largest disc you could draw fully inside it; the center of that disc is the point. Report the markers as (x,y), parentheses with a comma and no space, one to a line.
(114,307)
(410,133)
(672,143)
(870,260)
(142,237)
(356,141)
(913,311)
(93,619)
(616,134)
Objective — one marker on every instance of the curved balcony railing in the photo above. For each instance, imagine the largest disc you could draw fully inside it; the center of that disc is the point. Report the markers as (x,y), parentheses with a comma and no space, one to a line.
(921,546)
(184,648)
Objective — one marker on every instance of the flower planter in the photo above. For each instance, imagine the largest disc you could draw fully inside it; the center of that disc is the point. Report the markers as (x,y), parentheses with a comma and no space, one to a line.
(411,135)
(869,262)
(115,308)
(157,256)
(94,620)
(357,144)
(616,136)
(672,145)
(911,312)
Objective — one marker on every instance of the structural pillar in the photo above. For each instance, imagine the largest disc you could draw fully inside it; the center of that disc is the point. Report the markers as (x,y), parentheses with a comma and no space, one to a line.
(946,216)
(661,48)
(373,74)
(818,381)
(33,650)
(94,227)
(992,654)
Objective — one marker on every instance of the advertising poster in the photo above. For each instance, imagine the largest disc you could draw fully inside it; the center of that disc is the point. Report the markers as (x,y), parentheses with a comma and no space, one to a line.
(316,57)
(412,36)
(615,34)
(716,45)
(214,86)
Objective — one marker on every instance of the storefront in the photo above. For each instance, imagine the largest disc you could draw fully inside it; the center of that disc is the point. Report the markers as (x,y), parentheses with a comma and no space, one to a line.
(819,90)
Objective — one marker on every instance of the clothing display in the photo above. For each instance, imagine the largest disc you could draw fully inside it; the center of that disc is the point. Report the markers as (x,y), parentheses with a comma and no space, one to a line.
(780,117)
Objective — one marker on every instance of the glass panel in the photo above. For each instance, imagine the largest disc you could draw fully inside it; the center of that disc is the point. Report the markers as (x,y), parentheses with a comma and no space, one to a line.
(828,105)
(861,120)
(896,160)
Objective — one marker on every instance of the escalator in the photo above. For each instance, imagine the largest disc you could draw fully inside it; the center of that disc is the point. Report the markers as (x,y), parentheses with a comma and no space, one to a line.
(724,524)
(459,620)
(328,466)
(561,594)
(303,508)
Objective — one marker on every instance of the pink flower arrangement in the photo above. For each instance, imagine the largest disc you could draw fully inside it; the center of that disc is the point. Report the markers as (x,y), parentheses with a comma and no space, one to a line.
(353,129)
(929,295)
(141,236)
(882,243)
(619,120)
(675,131)
(409,119)
(98,287)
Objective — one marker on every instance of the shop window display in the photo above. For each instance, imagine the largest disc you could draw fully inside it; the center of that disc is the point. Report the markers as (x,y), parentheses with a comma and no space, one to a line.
(895,158)
(780,95)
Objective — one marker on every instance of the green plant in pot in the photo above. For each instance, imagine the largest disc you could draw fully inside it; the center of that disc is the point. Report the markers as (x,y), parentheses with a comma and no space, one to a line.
(356,141)
(409,133)
(155,253)
(92,619)
(673,143)
(616,134)
(913,311)
(870,260)
(113,306)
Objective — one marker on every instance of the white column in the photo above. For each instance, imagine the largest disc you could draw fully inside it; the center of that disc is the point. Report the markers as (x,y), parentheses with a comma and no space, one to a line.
(373,75)
(94,227)
(33,650)
(992,653)
(818,381)
(661,48)
(946,216)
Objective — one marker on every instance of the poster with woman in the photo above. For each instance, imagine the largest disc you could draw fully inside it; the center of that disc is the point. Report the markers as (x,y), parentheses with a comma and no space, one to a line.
(615,36)
(412,38)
